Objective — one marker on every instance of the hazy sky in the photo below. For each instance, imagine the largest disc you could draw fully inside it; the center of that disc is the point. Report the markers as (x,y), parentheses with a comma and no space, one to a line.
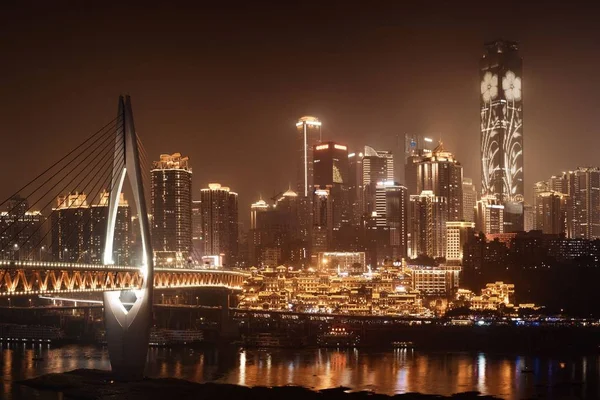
(224,84)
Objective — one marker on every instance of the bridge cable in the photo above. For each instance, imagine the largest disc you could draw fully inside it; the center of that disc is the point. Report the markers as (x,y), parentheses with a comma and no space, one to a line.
(57,163)
(105,165)
(107,144)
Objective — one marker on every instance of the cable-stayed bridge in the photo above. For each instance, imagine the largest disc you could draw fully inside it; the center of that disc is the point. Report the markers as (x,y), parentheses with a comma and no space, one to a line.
(71,229)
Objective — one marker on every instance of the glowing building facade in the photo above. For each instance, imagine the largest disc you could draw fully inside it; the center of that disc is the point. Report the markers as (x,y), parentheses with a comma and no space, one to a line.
(502,123)
(171,208)
(219,209)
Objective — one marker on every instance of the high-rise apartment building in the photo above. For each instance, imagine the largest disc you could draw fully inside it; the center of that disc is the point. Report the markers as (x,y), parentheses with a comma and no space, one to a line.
(331,170)
(219,209)
(428,216)
(171,208)
(442,174)
(457,234)
(469,199)
(501,69)
(551,212)
(21,231)
(79,229)
(489,215)
(583,188)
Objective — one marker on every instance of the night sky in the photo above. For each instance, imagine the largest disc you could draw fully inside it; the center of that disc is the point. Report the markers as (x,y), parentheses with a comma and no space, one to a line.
(225,84)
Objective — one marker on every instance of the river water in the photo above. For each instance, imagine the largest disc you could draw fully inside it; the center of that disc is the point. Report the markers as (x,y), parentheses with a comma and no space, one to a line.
(390,372)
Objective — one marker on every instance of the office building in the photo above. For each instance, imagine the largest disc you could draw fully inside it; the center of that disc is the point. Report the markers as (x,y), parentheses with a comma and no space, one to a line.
(489,215)
(308,135)
(377,166)
(469,199)
(502,122)
(219,209)
(415,148)
(197,242)
(551,212)
(322,229)
(171,208)
(457,234)
(428,216)
(97,228)
(442,174)
(528,217)
(396,208)
(355,187)
(331,170)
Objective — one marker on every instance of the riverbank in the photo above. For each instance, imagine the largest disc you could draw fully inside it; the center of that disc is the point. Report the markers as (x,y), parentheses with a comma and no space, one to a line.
(91,384)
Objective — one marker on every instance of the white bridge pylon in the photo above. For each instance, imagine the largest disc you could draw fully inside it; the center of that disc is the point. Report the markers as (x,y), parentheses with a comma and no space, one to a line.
(128,314)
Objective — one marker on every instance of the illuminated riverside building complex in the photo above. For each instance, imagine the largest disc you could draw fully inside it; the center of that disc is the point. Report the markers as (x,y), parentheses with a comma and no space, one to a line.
(219,209)
(171,209)
(79,229)
(20,229)
(345,262)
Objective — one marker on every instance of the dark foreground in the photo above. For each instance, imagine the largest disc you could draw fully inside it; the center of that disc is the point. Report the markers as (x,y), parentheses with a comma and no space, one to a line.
(95,384)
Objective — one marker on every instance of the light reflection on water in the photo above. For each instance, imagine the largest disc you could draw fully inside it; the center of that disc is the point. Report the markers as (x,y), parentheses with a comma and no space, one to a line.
(393,371)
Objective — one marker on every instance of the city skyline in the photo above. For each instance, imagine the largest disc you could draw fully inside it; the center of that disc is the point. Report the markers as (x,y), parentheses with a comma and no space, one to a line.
(364,104)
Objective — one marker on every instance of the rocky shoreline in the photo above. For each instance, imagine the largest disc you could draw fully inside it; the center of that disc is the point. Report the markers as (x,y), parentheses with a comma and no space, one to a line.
(88,384)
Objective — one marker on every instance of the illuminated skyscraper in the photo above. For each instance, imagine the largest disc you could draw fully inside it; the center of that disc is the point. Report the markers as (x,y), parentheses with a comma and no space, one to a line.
(20,231)
(171,209)
(489,215)
(355,187)
(219,208)
(322,229)
(551,212)
(469,199)
(377,166)
(396,209)
(197,242)
(331,171)
(502,121)
(457,234)
(415,148)
(308,135)
(442,173)
(428,216)
(583,188)
(79,229)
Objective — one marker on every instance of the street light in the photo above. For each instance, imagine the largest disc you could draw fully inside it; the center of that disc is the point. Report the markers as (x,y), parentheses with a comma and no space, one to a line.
(9,303)
(15,249)
(196,300)
(163,298)
(29,302)
(43,248)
